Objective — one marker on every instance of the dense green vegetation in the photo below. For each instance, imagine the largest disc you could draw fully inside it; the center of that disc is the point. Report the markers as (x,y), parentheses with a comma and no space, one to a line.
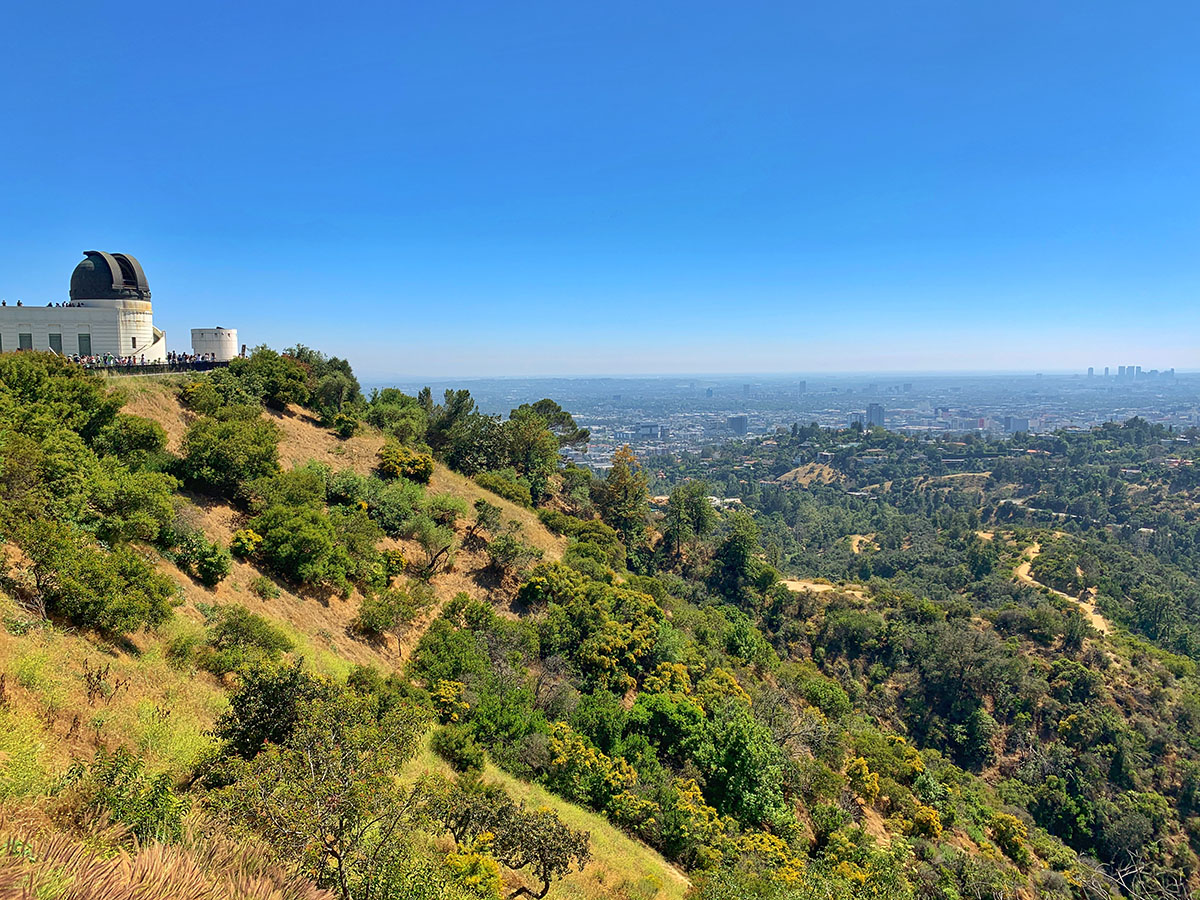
(941,669)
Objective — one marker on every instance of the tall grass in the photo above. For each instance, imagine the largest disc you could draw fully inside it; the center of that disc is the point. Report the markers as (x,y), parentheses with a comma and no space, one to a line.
(205,865)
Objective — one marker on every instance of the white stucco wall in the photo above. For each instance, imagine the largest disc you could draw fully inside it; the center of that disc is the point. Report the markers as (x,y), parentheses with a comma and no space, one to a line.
(119,327)
(220,341)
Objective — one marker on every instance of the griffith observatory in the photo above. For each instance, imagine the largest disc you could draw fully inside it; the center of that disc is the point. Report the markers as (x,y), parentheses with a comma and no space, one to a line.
(108,313)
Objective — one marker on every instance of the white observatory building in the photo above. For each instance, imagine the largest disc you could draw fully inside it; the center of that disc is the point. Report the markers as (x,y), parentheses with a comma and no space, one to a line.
(222,343)
(109,313)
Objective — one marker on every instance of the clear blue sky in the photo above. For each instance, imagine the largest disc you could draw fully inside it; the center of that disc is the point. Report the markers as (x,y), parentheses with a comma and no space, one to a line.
(560,187)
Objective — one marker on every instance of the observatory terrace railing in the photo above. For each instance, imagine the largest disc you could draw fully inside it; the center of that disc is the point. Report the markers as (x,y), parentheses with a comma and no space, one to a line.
(121,367)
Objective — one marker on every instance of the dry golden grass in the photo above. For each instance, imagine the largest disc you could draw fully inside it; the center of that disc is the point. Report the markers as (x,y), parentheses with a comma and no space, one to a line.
(144,704)
(156,398)
(303,439)
(41,862)
(620,866)
(810,473)
(445,481)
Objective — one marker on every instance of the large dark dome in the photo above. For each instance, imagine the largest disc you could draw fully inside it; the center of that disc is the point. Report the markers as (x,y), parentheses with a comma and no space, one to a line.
(109,276)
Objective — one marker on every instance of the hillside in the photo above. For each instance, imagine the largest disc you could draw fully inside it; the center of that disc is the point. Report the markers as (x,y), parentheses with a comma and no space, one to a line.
(321,618)
(68,693)
(268,607)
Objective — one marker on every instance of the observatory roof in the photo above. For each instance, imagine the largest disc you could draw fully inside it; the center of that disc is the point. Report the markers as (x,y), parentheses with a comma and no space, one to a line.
(109,276)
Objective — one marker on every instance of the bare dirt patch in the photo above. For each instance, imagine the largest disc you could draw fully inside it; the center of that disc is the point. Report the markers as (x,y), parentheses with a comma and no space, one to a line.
(862,542)
(810,473)
(1088,607)
(800,585)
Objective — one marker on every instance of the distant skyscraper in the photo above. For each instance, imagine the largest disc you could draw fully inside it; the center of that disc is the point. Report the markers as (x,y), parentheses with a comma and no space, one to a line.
(874,415)
(1091,371)
(708,392)
(802,387)
(1106,371)
(746,390)
(1120,371)
(737,424)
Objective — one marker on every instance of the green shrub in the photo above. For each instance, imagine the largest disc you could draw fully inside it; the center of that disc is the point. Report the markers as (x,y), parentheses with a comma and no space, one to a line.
(345,425)
(213,565)
(238,637)
(117,784)
(245,543)
(266,706)
(550,583)
(205,560)
(455,745)
(445,509)
(559,522)
(394,505)
(222,455)
(380,613)
(504,486)
(201,396)
(132,439)
(300,543)
(397,461)
(827,696)
(508,554)
(264,588)
(346,488)
(111,590)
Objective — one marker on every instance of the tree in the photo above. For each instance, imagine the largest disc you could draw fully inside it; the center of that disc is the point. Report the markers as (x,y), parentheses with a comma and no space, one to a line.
(690,515)
(327,799)
(266,707)
(559,421)
(487,518)
(333,393)
(438,542)
(507,554)
(310,546)
(396,413)
(537,841)
(541,842)
(733,562)
(623,499)
(532,449)
(277,380)
(63,572)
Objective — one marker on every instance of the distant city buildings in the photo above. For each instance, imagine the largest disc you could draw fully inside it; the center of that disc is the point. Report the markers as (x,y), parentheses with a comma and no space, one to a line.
(875,415)
(1134,373)
(1013,424)
(738,424)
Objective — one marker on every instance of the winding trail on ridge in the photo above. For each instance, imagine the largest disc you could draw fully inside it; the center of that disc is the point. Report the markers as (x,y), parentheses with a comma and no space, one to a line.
(1022,574)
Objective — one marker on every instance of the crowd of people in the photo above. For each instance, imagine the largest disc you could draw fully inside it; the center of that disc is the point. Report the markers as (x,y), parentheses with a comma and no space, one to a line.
(184,359)
(173,361)
(19,303)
